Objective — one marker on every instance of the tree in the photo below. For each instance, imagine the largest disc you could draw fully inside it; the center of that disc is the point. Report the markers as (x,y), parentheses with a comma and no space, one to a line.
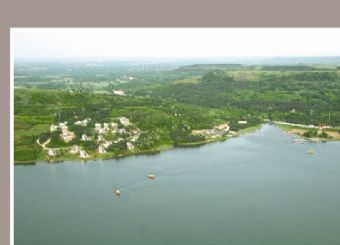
(324,135)
(310,133)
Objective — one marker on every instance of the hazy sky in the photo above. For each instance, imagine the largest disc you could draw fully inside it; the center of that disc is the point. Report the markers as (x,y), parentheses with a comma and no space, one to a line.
(173,42)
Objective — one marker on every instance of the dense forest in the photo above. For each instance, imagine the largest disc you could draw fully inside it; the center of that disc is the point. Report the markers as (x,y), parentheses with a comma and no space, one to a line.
(310,96)
(165,102)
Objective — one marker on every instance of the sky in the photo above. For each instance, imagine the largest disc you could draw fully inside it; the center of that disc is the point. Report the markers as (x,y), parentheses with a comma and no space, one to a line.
(54,43)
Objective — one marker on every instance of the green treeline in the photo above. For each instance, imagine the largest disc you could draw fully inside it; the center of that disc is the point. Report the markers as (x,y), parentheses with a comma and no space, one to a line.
(166,104)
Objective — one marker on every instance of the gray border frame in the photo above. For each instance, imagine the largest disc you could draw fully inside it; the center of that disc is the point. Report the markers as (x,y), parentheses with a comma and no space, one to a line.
(138,13)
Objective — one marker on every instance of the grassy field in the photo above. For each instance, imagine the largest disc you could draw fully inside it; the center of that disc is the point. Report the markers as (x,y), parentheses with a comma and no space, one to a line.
(249,129)
(26,130)
(191,80)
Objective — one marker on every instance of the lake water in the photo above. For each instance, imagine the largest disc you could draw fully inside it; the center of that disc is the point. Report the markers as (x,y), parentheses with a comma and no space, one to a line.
(255,189)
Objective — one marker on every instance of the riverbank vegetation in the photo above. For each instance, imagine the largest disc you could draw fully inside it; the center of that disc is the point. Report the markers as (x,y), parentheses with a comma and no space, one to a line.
(166,103)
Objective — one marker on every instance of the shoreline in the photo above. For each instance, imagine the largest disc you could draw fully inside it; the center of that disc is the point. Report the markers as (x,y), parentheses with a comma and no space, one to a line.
(299,129)
(286,128)
(157,150)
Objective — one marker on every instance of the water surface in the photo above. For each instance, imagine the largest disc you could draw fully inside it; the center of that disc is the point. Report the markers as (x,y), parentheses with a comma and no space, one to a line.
(256,189)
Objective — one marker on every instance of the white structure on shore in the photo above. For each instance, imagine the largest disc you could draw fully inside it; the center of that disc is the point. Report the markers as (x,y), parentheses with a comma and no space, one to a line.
(217,131)
(225,127)
(130,146)
(83,154)
(52,152)
(101,149)
(74,149)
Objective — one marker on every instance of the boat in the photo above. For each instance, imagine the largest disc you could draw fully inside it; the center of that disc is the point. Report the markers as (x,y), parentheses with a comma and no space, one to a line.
(151,176)
(117,192)
(310,151)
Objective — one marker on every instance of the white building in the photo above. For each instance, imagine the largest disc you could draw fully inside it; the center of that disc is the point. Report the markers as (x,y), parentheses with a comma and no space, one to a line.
(106,125)
(135,138)
(67,136)
(62,124)
(64,129)
(78,123)
(52,152)
(118,140)
(224,127)
(136,131)
(101,138)
(97,126)
(114,125)
(83,154)
(53,128)
(83,123)
(101,131)
(74,149)
(84,137)
(122,131)
(101,149)
(125,121)
(242,122)
(119,92)
(106,144)
(130,146)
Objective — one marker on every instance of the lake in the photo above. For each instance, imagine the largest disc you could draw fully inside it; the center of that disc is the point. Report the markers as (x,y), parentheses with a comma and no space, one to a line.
(255,189)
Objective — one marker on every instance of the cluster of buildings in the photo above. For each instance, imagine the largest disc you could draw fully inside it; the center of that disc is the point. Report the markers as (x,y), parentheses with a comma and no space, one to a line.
(106,128)
(66,135)
(118,92)
(217,131)
(130,134)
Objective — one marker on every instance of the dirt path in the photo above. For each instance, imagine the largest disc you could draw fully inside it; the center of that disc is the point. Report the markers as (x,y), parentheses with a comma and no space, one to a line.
(43,145)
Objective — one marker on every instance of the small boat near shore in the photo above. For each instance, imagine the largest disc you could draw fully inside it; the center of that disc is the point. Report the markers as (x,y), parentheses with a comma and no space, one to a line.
(151,176)
(117,192)
(311,151)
